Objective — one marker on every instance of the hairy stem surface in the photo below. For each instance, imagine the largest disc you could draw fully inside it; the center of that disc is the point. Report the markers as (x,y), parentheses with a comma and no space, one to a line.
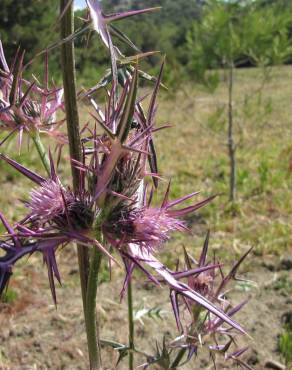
(92,327)
(69,82)
(72,117)
(131,326)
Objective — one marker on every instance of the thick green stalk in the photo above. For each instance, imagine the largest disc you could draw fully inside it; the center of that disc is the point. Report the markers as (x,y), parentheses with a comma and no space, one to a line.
(131,326)
(88,283)
(41,151)
(69,81)
(72,117)
(178,358)
(92,327)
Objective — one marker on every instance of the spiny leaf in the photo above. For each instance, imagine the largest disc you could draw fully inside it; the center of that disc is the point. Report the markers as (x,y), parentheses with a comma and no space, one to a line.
(17,71)
(128,112)
(136,58)
(121,36)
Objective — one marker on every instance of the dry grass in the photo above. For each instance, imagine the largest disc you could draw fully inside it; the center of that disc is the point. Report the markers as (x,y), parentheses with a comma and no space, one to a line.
(194,154)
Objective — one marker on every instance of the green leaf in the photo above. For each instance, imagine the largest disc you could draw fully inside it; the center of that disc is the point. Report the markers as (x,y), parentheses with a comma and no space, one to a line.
(128,112)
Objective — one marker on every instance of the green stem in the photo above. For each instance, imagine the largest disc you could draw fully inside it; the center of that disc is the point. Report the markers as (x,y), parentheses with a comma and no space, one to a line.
(41,151)
(92,327)
(72,118)
(131,326)
(178,358)
(69,82)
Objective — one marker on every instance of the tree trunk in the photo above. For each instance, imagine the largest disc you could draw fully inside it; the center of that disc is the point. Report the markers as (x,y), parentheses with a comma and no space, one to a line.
(230,134)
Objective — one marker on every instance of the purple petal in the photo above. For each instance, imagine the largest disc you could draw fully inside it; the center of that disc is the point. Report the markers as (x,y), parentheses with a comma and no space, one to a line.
(136,261)
(230,313)
(87,241)
(5,274)
(166,196)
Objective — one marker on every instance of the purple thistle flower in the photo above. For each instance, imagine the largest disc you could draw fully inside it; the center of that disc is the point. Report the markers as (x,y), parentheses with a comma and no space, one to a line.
(24,106)
(58,217)
(147,227)
(49,201)
(151,227)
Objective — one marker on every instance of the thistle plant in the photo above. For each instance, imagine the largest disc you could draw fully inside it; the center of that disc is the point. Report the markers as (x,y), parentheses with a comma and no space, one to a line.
(29,107)
(109,211)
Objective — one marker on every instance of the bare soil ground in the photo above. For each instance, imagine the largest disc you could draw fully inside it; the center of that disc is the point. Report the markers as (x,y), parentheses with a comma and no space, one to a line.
(36,335)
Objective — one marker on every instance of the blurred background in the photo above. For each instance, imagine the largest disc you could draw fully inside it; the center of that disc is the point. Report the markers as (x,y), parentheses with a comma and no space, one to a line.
(229,100)
(191,35)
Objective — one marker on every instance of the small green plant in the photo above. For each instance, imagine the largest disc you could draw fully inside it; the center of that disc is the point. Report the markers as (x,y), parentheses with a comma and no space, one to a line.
(153,313)
(9,296)
(263,171)
(232,34)
(285,342)
(283,284)
(216,120)
(243,177)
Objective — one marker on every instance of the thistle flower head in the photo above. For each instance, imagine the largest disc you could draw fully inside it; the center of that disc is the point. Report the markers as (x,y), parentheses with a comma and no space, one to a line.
(49,201)
(146,227)
(55,204)
(26,106)
(153,226)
